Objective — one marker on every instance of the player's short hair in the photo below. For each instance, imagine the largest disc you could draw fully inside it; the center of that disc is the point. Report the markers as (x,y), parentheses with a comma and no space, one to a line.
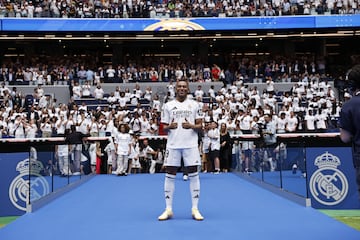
(183,80)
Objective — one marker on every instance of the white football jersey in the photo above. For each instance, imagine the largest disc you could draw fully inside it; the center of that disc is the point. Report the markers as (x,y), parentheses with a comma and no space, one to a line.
(180,112)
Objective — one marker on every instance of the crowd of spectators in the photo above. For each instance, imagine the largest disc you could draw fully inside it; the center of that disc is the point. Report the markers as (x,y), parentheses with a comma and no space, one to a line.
(172,9)
(311,94)
(249,69)
(310,105)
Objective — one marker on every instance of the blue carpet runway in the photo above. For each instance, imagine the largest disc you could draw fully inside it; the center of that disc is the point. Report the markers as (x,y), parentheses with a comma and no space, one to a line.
(110,207)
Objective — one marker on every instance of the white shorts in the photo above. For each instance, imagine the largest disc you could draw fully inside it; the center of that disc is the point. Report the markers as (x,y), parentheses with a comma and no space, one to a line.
(191,157)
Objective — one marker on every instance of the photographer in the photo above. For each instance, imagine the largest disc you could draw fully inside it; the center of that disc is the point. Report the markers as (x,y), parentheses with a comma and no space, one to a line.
(149,154)
(46,127)
(19,127)
(268,134)
(78,147)
(60,125)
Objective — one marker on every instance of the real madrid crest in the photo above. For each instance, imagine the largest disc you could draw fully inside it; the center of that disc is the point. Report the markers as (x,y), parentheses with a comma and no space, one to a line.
(174,25)
(29,184)
(328,184)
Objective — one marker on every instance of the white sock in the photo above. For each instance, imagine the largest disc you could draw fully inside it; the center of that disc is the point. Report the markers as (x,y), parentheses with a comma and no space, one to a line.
(169,188)
(194,189)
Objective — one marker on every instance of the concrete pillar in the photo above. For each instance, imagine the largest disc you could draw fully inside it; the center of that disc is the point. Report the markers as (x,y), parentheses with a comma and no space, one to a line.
(185,51)
(322,48)
(117,57)
(203,51)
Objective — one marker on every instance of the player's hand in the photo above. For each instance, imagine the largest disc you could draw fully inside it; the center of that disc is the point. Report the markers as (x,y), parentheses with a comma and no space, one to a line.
(186,124)
(173,124)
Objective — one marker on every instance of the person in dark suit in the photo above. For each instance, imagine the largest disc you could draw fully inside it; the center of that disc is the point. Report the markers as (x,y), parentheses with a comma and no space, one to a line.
(76,140)
(32,114)
(350,118)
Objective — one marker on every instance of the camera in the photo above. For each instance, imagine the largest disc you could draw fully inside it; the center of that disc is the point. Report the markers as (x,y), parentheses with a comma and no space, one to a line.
(260,127)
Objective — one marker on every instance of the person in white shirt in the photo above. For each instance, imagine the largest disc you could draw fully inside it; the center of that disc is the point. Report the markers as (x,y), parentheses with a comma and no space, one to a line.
(112,100)
(287,99)
(199,92)
(137,91)
(182,119)
(122,100)
(144,125)
(99,92)
(3,126)
(281,123)
(292,123)
(86,90)
(39,91)
(271,101)
(134,99)
(310,120)
(179,73)
(156,104)
(123,149)
(211,91)
(31,129)
(214,149)
(127,94)
(321,120)
(148,94)
(94,127)
(19,127)
(245,122)
(63,110)
(270,85)
(110,127)
(3,89)
(62,155)
(83,123)
(153,130)
(117,92)
(111,153)
(60,125)
(205,144)
(69,122)
(135,123)
(46,128)
(77,91)
(134,161)
(171,89)
(110,72)
(44,101)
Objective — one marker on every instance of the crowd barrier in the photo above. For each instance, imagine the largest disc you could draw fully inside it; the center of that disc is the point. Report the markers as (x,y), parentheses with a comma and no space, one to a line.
(324,172)
(30,171)
(315,166)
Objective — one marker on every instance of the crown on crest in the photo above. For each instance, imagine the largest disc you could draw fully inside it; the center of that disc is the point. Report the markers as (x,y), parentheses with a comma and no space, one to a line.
(33,165)
(327,160)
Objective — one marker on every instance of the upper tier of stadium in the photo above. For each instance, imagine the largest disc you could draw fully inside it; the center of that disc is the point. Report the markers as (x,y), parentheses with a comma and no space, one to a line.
(172,9)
